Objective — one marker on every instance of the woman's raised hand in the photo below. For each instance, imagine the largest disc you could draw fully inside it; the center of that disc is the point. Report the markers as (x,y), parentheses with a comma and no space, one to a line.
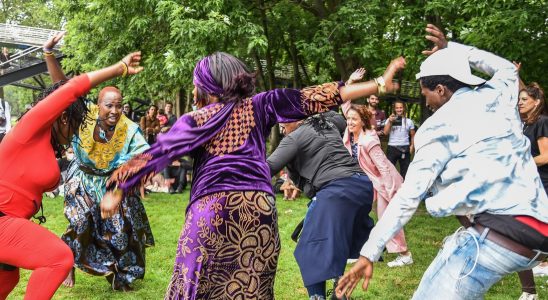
(356,76)
(132,62)
(53,40)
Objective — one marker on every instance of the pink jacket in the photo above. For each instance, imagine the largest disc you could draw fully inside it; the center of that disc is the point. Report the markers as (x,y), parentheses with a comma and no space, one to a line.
(385,177)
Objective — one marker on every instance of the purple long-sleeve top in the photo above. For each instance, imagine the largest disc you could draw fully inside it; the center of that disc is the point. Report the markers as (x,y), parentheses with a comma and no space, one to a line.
(228,140)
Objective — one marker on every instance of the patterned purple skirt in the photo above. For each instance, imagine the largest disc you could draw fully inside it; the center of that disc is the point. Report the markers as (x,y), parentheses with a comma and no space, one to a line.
(228,248)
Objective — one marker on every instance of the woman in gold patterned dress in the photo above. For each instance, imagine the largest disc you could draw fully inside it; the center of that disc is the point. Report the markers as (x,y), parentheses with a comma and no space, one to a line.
(113,247)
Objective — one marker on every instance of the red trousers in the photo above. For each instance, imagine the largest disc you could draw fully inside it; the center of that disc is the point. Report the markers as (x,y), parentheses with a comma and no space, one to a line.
(27,245)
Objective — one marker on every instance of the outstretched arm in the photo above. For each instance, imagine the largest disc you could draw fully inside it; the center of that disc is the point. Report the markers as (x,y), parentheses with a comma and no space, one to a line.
(289,105)
(380,85)
(49,109)
(129,65)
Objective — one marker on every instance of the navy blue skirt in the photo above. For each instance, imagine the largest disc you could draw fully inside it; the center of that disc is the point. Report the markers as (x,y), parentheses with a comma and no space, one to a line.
(336,226)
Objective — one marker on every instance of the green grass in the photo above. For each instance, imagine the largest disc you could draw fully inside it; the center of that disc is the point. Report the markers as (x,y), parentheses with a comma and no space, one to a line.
(166,214)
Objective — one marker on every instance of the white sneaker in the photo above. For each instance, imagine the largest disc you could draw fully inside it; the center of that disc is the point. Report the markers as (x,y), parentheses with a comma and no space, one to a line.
(401,260)
(540,270)
(527,296)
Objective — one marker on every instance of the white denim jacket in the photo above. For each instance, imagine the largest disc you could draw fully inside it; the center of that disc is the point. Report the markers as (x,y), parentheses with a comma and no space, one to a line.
(471,157)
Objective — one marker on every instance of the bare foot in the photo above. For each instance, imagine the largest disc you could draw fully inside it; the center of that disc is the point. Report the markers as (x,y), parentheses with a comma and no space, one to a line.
(70,280)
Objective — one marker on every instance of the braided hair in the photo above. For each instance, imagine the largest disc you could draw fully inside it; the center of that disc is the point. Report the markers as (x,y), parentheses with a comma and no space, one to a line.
(319,123)
(77,115)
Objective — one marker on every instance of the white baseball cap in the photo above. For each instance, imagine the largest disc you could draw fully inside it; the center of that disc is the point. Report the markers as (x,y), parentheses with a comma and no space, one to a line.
(449,62)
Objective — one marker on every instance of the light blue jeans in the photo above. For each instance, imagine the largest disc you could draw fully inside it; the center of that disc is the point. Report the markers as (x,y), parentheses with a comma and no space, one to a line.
(460,271)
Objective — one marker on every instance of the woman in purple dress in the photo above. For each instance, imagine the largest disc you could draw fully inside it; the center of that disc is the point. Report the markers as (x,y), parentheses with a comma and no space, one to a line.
(229,244)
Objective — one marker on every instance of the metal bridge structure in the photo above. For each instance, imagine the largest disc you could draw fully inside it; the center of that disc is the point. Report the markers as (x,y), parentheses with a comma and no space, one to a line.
(27,59)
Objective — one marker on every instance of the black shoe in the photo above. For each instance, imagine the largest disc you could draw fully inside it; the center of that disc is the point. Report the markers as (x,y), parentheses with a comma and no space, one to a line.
(180,190)
(171,190)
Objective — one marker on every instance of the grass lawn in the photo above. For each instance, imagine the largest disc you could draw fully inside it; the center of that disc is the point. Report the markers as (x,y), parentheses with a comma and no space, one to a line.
(166,214)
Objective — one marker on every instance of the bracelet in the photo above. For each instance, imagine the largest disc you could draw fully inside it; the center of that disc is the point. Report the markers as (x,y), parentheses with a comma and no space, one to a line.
(47,49)
(381,85)
(124,72)
(48,53)
(118,192)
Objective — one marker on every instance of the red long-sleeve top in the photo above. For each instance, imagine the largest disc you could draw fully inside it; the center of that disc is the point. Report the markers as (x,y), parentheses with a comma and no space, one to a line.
(28,166)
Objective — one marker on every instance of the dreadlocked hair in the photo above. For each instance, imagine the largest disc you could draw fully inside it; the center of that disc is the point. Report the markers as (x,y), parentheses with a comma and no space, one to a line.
(319,122)
(77,115)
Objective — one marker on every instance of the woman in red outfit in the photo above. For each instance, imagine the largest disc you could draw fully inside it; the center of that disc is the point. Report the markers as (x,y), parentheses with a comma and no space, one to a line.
(28,168)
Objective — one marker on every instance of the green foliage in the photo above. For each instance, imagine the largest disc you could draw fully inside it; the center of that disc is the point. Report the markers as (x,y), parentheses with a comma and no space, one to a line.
(18,98)
(36,13)
(319,40)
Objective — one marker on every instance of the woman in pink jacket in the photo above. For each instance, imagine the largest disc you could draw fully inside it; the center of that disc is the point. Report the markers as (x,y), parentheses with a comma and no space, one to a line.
(362,142)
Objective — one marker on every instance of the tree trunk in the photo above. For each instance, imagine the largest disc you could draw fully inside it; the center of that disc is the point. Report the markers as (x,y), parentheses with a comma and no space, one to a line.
(339,61)
(305,73)
(260,71)
(189,101)
(292,49)
(269,64)
(179,104)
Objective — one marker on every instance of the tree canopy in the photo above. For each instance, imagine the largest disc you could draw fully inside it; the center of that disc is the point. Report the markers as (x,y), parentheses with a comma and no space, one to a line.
(289,42)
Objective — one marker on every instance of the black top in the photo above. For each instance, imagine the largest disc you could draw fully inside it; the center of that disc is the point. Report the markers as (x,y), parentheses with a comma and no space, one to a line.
(533,132)
(314,157)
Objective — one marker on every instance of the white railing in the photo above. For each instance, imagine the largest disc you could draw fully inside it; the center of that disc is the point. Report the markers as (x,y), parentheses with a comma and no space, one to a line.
(24,35)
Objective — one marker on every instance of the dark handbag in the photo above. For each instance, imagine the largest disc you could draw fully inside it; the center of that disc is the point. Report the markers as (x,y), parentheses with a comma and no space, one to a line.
(297,232)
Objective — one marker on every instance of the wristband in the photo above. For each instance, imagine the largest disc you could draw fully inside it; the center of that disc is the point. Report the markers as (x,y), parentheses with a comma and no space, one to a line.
(48,53)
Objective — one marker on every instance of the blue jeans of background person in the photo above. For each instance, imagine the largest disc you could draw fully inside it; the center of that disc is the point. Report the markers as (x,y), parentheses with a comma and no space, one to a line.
(446,277)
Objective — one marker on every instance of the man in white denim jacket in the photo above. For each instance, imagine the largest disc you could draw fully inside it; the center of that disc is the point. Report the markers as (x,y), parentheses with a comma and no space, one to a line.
(471,157)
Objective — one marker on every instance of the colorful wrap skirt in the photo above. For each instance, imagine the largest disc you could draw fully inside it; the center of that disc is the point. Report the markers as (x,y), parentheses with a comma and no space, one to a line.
(228,248)
(111,246)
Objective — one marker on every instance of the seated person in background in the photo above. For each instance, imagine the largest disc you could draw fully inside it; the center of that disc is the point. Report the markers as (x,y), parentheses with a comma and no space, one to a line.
(284,185)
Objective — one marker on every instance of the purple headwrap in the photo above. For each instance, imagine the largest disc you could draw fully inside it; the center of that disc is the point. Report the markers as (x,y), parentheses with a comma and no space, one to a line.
(204,80)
